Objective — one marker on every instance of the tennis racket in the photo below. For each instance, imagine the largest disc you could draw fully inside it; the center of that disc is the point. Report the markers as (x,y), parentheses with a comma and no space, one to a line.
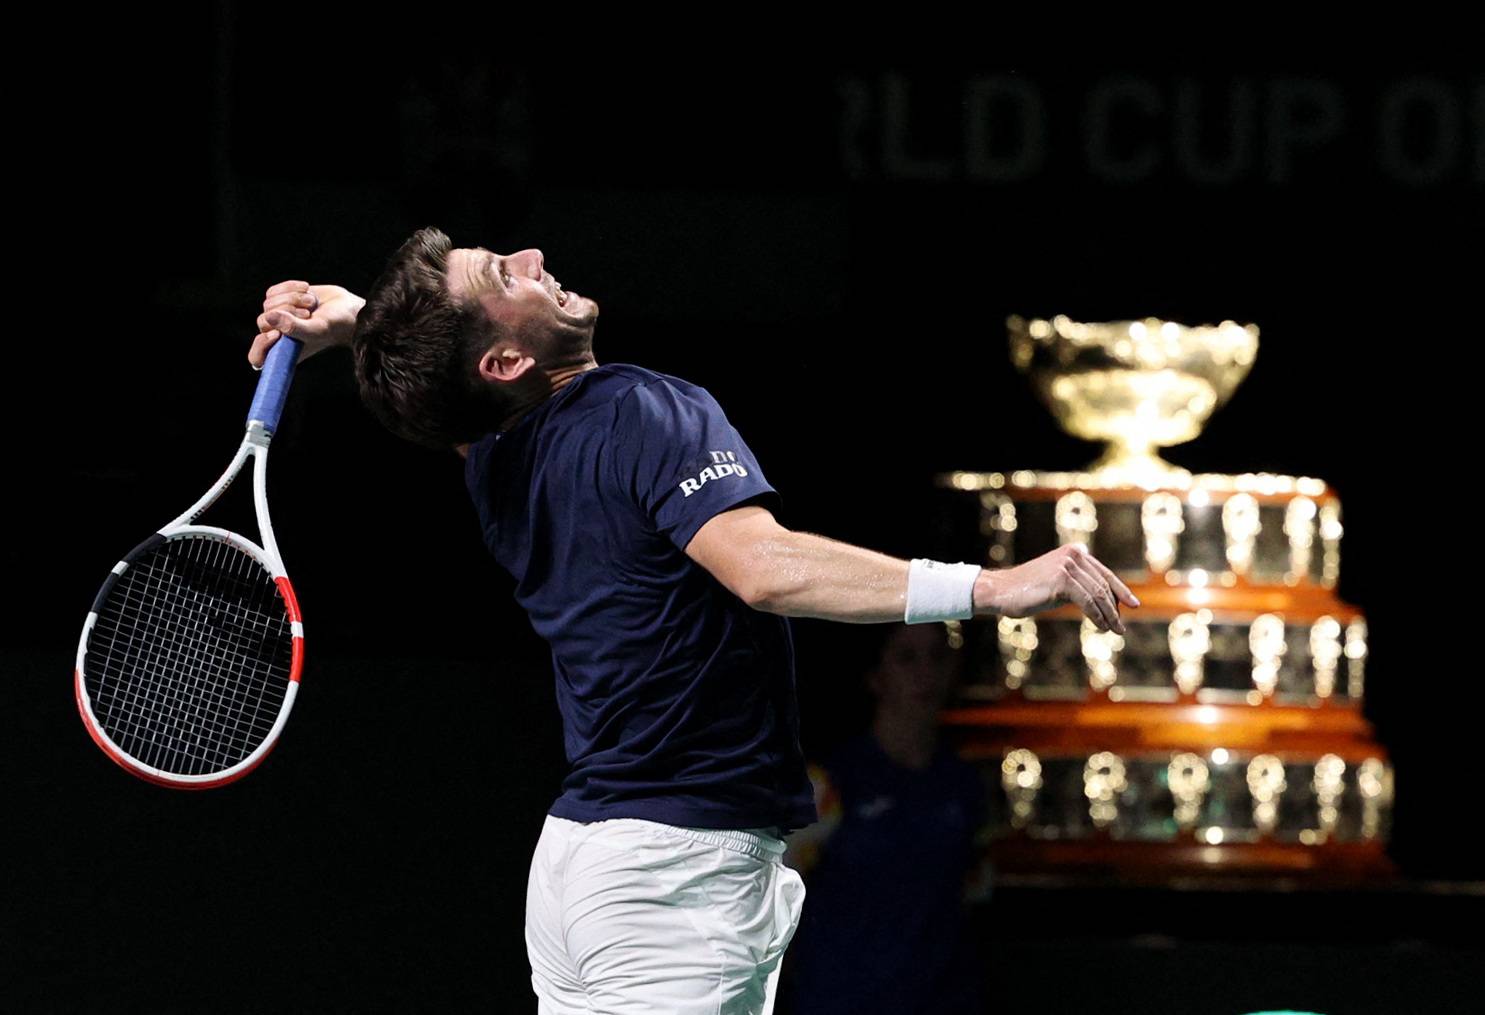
(189,660)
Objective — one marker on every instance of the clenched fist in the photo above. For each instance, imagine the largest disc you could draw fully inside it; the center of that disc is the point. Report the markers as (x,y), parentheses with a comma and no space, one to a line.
(320,316)
(1069,574)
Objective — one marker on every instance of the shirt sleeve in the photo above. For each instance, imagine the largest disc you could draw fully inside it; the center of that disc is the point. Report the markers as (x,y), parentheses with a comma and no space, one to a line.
(681,461)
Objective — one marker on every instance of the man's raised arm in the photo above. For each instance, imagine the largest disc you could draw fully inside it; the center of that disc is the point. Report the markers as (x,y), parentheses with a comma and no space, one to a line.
(799,574)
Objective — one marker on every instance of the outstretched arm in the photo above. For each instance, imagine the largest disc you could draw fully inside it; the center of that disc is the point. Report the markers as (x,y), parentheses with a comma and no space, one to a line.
(799,574)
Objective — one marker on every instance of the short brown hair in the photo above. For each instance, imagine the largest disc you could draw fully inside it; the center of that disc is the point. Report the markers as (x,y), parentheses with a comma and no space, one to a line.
(417,349)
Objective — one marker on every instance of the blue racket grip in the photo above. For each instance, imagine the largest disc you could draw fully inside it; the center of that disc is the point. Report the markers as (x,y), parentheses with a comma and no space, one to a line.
(273,385)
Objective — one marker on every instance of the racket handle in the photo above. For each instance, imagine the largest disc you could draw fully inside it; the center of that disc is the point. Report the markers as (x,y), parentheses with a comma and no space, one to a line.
(273,383)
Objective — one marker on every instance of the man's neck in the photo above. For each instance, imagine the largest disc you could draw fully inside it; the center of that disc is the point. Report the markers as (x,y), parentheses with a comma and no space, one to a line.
(554,380)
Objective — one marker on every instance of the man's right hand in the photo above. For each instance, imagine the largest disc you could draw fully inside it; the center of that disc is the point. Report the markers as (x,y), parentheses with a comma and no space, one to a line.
(320,316)
(1069,574)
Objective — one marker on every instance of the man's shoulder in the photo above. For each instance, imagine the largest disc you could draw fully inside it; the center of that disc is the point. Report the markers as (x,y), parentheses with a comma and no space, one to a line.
(604,389)
(628,376)
(642,396)
(614,392)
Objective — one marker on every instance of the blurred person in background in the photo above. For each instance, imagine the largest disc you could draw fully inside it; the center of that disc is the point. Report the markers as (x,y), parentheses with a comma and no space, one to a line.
(894,859)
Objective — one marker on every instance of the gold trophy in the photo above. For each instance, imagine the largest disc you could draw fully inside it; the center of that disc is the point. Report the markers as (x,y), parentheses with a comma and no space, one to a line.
(1136,385)
(1223,730)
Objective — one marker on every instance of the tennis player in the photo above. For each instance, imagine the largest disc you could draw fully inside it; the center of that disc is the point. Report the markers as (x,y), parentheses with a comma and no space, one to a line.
(640,531)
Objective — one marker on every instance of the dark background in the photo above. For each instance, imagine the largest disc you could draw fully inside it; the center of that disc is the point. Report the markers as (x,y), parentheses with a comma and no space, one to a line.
(830,244)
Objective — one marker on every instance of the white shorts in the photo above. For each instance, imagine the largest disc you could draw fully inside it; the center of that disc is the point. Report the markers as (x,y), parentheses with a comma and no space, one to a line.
(627,916)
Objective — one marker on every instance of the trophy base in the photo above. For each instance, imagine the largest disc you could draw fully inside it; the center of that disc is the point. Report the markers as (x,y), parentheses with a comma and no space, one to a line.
(1155,864)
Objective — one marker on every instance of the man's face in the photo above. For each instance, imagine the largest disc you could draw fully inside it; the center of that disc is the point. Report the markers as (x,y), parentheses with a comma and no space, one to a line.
(519,296)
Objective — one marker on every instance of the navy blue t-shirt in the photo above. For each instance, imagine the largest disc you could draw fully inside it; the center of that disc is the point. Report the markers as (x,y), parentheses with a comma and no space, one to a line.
(677,698)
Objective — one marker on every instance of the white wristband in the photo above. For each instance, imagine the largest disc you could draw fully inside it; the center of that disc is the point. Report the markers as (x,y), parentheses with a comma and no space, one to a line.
(939,591)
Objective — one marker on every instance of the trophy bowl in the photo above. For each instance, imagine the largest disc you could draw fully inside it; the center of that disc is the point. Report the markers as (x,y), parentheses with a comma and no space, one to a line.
(1135,385)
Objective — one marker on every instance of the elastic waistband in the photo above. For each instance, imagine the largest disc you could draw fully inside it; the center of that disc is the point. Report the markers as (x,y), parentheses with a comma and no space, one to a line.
(762,843)
(759,843)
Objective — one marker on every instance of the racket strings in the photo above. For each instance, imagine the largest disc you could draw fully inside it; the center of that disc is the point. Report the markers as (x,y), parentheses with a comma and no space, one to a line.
(189,661)
(198,727)
(165,652)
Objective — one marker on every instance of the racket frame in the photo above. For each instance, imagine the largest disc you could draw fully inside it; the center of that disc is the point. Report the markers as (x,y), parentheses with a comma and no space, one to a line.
(262,420)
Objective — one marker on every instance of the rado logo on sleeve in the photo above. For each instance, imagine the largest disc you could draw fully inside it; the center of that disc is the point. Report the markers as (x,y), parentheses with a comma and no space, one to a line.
(724,463)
